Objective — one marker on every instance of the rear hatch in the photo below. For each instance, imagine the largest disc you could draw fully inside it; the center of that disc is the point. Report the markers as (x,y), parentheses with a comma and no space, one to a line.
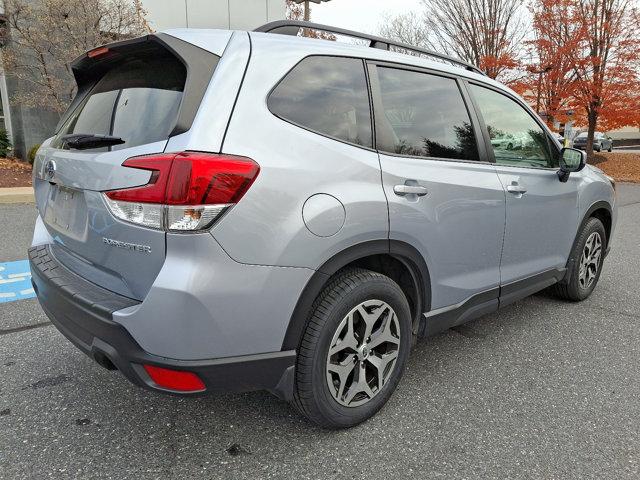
(137,94)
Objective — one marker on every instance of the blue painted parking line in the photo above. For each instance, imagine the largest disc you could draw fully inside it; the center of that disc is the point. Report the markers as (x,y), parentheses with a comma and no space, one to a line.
(15,281)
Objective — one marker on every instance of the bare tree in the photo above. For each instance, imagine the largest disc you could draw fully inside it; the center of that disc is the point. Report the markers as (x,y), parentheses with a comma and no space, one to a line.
(44,36)
(295,11)
(408,28)
(487,33)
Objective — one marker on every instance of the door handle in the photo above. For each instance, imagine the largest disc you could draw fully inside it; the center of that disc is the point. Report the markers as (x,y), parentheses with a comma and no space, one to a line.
(403,190)
(516,189)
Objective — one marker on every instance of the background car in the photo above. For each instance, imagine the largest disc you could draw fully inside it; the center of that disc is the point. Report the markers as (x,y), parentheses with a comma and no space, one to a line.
(600,142)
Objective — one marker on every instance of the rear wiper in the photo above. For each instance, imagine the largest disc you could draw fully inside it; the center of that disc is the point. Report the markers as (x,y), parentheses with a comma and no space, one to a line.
(84,141)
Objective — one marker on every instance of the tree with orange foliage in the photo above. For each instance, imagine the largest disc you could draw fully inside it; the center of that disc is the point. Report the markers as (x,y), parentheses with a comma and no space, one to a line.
(607,64)
(550,77)
(586,59)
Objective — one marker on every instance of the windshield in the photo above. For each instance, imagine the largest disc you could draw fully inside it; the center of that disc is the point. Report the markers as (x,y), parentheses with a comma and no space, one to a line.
(137,101)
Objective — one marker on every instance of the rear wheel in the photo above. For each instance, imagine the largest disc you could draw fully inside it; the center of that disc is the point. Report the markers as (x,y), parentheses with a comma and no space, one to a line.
(354,349)
(588,256)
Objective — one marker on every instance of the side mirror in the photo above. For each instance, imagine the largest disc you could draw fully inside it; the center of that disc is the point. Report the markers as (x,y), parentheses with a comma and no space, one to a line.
(571,160)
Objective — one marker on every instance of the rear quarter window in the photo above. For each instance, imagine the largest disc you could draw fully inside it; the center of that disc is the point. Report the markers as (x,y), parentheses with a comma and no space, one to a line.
(137,101)
(327,95)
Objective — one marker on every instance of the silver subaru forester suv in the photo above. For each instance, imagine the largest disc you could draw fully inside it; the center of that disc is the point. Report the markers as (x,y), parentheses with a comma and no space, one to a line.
(233,211)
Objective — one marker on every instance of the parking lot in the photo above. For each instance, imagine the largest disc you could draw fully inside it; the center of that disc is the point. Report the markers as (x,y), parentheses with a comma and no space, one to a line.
(542,389)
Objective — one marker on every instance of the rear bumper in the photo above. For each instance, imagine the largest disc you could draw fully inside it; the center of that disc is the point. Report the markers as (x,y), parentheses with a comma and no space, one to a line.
(82,312)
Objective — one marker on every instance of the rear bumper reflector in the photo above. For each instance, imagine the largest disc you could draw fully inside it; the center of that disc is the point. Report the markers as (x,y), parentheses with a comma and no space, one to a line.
(176,380)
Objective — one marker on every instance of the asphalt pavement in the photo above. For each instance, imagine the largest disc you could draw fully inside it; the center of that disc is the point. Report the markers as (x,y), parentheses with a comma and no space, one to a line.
(541,389)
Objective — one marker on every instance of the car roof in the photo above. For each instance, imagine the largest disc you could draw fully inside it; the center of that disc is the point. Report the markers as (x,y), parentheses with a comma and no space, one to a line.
(208,38)
(315,46)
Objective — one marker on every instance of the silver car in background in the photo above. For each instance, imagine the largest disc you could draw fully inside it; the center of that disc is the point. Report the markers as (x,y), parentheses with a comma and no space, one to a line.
(601,142)
(233,211)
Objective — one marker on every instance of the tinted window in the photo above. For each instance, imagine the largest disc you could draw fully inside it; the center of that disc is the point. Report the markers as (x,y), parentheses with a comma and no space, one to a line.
(426,116)
(137,101)
(516,137)
(327,95)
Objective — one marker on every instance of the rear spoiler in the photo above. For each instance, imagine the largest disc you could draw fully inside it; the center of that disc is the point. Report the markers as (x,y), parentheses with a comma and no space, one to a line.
(200,64)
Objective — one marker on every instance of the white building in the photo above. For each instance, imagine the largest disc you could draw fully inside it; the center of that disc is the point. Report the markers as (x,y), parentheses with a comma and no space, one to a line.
(224,14)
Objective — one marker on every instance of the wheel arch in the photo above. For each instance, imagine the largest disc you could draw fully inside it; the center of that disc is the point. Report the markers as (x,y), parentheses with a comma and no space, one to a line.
(394,258)
(601,210)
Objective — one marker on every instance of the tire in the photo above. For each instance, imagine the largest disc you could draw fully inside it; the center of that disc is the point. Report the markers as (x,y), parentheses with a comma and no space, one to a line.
(610,148)
(581,280)
(597,149)
(326,390)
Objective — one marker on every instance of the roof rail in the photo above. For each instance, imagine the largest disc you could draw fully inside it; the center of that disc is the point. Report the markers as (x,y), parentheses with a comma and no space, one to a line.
(292,27)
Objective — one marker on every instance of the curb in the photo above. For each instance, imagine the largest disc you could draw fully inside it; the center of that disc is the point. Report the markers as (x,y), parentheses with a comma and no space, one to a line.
(17,195)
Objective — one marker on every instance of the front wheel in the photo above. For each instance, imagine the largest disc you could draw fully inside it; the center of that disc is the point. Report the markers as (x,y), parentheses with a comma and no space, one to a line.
(354,349)
(587,258)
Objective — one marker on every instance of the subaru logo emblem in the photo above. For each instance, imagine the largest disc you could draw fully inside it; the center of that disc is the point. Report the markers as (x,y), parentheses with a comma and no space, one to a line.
(50,169)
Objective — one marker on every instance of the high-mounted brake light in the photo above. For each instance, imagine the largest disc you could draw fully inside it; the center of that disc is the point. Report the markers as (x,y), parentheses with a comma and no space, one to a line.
(96,52)
(186,191)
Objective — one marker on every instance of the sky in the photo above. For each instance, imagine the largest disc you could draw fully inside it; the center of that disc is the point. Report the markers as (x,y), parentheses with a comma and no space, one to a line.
(360,15)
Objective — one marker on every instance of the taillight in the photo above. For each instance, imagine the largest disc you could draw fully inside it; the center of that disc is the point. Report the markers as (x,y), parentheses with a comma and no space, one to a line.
(186,191)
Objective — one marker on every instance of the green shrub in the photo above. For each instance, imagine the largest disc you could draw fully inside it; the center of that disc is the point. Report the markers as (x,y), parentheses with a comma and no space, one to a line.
(5,144)
(31,155)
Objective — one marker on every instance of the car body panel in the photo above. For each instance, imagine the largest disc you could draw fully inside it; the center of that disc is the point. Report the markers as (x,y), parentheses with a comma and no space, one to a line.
(457,226)
(540,224)
(76,217)
(268,227)
(205,305)
(210,124)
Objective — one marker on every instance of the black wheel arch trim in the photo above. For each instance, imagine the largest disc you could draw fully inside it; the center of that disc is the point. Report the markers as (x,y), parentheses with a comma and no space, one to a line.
(599,205)
(488,301)
(401,251)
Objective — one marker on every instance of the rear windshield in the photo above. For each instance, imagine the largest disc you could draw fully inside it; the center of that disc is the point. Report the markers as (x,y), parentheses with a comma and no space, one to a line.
(137,101)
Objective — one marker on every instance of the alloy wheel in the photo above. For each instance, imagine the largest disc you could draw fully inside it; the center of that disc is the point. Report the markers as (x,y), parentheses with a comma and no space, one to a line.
(363,353)
(590,260)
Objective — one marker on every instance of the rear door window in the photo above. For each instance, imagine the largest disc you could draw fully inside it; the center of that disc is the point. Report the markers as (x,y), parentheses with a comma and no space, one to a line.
(327,95)
(137,101)
(425,116)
